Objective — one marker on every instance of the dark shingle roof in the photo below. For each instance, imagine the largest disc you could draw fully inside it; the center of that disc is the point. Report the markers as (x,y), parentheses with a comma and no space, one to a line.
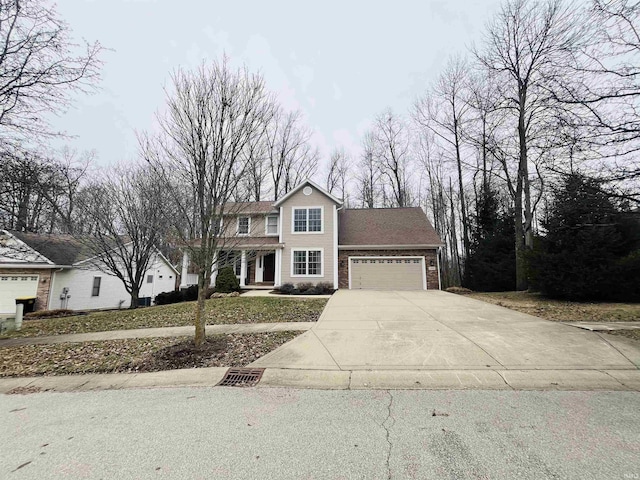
(386,226)
(232,208)
(60,249)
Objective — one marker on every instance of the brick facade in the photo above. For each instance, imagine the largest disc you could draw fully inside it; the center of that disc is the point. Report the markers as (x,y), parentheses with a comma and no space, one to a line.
(430,255)
(44,283)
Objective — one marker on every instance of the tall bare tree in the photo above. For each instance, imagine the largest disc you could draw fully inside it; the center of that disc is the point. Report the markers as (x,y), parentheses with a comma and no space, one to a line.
(526,47)
(392,152)
(338,173)
(367,175)
(290,155)
(215,117)
(126,209)
(444,113)
(39,67)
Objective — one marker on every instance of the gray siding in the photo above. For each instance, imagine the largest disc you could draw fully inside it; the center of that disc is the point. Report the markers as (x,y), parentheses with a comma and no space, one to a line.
(324,240)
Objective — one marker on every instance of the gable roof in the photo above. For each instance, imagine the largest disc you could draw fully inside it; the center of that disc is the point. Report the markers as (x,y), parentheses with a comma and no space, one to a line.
(302,185)
(58,249)
(386,227)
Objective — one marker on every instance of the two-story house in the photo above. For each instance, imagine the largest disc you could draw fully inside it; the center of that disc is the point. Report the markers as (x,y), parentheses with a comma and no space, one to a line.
(307,236)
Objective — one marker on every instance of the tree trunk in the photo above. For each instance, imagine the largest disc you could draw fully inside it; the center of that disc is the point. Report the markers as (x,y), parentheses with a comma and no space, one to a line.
(522,182)
(203,282)
(135,295)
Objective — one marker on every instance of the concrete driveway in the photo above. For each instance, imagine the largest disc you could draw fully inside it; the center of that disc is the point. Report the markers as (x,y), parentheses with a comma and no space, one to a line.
(433,330)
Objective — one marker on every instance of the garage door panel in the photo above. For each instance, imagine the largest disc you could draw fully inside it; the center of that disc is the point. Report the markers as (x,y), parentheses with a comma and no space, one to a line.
(16,286)
(387,274)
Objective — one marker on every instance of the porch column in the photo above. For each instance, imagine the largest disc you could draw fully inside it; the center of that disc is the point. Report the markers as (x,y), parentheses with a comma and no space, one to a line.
(185,270)
(243,268)
(214,269)
(277,278)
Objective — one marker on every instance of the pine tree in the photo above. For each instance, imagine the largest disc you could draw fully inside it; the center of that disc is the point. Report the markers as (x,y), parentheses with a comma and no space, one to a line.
(590,250)
(491,262)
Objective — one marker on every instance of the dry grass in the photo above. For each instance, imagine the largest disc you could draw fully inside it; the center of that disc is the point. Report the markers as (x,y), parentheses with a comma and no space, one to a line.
(219,311)
(562,311)
(138,354)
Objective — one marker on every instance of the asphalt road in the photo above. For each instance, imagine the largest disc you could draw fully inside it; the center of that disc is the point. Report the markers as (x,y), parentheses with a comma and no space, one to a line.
(263,433)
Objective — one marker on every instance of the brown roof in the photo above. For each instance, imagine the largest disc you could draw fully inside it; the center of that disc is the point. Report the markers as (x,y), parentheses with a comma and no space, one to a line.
(232,208)
(60,249)
(386,226)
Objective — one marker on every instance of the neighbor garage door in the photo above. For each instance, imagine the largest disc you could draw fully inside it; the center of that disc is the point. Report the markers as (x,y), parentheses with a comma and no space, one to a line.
(387,273)
(16,286)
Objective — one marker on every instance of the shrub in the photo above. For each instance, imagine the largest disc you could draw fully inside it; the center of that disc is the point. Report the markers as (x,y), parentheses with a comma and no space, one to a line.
(304,286)
(166,298)
(190,294)
(287,288)
(226,281)
(325,288)
(60,312)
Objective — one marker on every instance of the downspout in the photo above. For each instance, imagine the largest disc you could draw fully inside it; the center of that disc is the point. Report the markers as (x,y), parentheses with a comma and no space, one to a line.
(336,222)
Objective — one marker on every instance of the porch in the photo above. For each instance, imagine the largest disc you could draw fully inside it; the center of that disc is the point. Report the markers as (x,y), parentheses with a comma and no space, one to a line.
(256,268)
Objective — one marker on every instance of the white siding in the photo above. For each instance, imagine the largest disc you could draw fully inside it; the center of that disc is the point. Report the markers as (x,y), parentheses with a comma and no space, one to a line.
(112,292)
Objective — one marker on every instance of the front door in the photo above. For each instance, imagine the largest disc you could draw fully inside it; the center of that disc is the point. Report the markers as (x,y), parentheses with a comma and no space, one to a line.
(268,274)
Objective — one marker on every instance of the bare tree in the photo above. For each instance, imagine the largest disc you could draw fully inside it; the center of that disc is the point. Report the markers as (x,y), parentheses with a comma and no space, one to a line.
(38,67)
(290,155)
(338,173)
(215,116)
(367,174)
(444,113)
(392,153)
(526,47)
(126,209)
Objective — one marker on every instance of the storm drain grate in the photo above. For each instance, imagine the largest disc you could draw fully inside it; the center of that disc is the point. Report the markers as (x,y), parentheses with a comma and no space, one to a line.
(241,377)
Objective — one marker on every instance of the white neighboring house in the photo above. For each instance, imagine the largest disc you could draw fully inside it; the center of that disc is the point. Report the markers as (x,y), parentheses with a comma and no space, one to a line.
(56,270)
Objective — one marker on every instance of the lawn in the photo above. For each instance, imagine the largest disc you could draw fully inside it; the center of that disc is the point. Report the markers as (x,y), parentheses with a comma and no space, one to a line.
(138,354)
(219,311)
(562,311)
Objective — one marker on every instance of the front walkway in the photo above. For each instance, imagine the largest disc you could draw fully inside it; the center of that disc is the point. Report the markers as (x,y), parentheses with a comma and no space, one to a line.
(158,332)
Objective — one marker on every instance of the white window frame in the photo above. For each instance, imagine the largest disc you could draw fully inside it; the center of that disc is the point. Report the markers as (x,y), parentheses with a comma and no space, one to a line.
(307,232)
(248,226)
(266,225)
(93,286)
(394,257)
(307,250)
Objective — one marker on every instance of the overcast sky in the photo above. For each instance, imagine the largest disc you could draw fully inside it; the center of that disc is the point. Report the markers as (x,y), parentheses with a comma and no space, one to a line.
(340,62)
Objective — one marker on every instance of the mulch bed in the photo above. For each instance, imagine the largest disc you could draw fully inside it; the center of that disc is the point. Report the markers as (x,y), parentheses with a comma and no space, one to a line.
(138,354)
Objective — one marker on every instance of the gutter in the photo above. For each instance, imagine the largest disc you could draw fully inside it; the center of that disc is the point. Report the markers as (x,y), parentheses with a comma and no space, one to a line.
(387,247)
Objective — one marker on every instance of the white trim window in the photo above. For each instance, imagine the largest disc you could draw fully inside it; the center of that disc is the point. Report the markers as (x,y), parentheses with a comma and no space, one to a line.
(271,225)
(95,289)
(307,262)
(307,220)
(244,225)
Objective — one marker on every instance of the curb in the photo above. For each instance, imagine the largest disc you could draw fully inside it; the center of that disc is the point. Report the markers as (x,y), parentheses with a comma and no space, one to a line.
(581,380)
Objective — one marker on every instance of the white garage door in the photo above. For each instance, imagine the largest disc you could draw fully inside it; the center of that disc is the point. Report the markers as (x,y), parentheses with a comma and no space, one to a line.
(16,286)
(387,273)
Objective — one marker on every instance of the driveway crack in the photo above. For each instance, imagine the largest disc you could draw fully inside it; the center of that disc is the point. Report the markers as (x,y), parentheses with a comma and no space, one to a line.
(387,424)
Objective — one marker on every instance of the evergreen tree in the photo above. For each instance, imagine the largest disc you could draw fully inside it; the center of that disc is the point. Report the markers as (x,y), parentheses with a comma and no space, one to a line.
(491,264)
(591,247)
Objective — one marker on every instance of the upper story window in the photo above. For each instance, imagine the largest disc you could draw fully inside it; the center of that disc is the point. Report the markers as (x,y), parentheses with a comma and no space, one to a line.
(243,225)
(307,220)
(272,225)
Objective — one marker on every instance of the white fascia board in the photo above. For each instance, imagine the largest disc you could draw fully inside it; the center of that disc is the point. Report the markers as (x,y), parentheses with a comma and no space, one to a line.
(300,186)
